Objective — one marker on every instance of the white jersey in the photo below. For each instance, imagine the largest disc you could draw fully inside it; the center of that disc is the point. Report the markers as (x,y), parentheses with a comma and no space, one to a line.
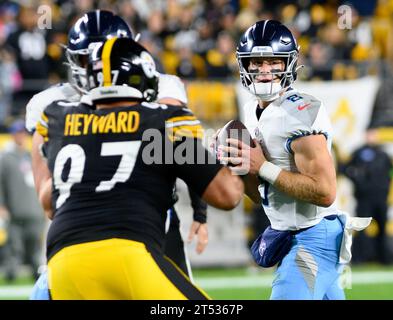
(169,86)
(37,104)
(289,117)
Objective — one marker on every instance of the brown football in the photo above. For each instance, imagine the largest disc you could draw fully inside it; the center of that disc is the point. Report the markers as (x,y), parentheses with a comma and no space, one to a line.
(234,129)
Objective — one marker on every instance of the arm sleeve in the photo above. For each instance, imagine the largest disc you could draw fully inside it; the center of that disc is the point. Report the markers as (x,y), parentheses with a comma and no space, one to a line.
(42,126)
(198,205)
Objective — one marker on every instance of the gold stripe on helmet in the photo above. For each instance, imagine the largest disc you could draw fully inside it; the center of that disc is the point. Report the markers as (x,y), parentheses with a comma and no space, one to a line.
(106,61)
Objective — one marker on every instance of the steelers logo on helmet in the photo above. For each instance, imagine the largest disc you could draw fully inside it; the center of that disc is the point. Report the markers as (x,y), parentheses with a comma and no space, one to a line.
(148,64)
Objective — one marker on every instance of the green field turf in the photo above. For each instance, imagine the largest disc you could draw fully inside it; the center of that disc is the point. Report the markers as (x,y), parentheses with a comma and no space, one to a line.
(358,292)
(369,282)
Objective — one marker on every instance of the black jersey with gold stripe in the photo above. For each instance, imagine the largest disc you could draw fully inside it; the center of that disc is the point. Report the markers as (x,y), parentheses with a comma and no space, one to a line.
(114,169)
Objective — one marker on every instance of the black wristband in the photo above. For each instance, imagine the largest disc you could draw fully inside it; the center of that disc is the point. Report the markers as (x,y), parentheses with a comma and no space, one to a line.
(200,216)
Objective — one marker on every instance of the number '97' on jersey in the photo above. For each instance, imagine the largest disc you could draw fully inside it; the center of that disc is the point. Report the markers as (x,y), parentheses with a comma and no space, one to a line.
(104,184)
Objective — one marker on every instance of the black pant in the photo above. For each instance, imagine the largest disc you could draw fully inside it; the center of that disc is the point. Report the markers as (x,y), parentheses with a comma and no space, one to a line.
(364,248)
(23,246)
(174,245)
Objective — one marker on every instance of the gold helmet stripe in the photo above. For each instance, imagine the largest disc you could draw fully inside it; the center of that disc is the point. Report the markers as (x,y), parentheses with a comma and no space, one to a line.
(106,61)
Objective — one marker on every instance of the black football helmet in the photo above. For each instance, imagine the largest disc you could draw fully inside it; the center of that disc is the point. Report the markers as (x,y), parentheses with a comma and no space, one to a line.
(121,69)
(267,38)
(92,28)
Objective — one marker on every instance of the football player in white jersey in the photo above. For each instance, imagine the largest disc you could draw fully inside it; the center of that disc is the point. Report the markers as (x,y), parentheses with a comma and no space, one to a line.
(291,170)
(94,27)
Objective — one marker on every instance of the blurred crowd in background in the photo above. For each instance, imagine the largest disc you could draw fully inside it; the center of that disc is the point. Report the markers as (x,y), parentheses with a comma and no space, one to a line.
(193,39)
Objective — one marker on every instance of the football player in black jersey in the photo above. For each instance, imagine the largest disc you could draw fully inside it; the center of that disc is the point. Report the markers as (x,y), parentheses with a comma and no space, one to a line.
(96,26)
(113,172)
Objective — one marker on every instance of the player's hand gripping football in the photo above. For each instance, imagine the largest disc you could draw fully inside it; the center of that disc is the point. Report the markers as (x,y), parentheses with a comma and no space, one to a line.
(213,142)
(245,159)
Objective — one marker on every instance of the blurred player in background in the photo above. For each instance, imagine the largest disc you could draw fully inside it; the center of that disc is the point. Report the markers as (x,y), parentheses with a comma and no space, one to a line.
(369,169)
(291,170)
(94,27)
(18,201)
(106,238)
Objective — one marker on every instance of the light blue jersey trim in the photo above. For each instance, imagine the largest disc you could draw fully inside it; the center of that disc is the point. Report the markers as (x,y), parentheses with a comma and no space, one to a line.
(300,135)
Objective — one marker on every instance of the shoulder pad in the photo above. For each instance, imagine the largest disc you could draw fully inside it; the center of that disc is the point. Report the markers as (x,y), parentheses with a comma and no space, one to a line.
(303,107)
(41,100)
(175,111)
(181,122)
(170,86)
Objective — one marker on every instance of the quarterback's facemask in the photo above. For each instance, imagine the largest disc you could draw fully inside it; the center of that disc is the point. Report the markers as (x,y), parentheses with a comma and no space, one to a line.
(267,39)
(279,80)
(77,61)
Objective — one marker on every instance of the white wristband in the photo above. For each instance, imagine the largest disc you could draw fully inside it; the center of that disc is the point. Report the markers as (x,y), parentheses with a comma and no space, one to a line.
(269,172)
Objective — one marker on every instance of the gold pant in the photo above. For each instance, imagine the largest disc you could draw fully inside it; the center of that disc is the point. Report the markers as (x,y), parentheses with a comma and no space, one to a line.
(117,269)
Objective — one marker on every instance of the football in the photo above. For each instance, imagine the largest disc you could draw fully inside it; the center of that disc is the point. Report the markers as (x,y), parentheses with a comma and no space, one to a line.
(234,129)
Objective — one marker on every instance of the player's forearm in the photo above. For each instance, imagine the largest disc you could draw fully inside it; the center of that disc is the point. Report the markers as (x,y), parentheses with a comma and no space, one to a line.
(305,188)
(251,184)
(39,166)
(197,203)
(225,191)
(42,176)
(45,198)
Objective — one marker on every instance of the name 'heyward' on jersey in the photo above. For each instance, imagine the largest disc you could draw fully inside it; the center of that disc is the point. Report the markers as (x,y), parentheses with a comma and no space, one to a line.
(83,124)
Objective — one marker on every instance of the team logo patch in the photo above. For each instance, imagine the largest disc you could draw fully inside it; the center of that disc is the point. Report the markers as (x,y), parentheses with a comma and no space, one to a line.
(262,247)
(148,64)
(109,91)
(304,106)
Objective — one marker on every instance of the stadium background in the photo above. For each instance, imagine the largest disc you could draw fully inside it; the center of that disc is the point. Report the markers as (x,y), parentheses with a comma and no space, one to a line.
(347,50)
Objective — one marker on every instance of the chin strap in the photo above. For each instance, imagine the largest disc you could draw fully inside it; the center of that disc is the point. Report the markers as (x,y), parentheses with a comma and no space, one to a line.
(299,67)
